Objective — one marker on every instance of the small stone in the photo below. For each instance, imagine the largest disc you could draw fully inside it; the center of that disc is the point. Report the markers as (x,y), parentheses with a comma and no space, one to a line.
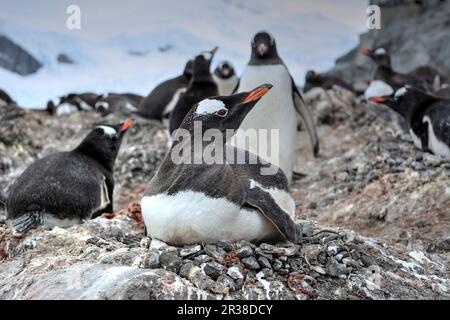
(156,244)
(145,242)
(235,273)
(245,243)
(186,268)
(224,285)
(277,265)
(332,250)
(215,252)
(264,263)
(225,245)
(444,245)
(260,252)
(251,263)
(153,259)
(202,259)
(368,260)
(319,270)
(308,229)
(170,261)
(336,269)
(199,279)
(244,252)
(189,250)
(213,269)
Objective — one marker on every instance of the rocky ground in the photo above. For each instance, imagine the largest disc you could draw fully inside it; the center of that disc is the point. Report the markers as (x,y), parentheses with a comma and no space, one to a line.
(374,213)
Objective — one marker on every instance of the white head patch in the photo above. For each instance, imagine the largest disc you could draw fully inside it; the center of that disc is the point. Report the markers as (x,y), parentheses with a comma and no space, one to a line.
(380,51)
(109,131)
(378,88)
(209,106)
(102,104)
(400,92)
(207,55)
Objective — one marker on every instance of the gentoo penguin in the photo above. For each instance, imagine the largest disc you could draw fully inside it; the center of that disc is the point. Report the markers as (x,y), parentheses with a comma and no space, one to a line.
(277,110)
(313,80)
(427,115)
(5,99)
(192,199)
(385,73)
(125,103)
(160,102)
(202,85)
(73,102)
(67,187)
(226,78)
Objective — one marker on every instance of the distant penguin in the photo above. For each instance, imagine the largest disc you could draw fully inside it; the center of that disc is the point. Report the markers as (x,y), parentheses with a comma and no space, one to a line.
(73,102)
(202,85)
(385,73)
(5,99)
(226,78)
(277,110)
(189,203)
(123,103)
(427,115)
(314,80)
(67,187)
(160,102)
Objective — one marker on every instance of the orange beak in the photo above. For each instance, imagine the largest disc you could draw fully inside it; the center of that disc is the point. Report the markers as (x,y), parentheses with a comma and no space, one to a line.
(257,93)
(127,125)
(377,99)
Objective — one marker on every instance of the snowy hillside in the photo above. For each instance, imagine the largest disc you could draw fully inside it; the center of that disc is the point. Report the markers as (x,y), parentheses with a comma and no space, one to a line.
(133,48)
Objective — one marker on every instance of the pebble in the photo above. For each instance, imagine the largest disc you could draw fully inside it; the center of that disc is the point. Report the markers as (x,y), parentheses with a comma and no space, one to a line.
(199,279)
(153,259)
(308,229)
(186,268)
(226,245)
(170,261)
(215,252)
(189,250)
(244,252)
(224,284)
(264,263)
(251,263)
(213,269)
(336,269)
(235,273)
(277,265)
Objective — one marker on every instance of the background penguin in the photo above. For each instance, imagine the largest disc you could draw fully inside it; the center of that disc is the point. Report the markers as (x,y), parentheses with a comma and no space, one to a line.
(67,187)
(422,77)
(278,109)
(5,99)
(73,102)
(124,103)
(160,102)
(202,85)
(226,78)
(427,115)
(313,80)
(194,203)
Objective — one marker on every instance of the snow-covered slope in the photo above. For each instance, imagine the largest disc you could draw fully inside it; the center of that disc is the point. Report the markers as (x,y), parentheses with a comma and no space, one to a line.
(117,48)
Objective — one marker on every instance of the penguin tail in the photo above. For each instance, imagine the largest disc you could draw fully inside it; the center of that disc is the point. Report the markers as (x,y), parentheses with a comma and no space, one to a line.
(26,222)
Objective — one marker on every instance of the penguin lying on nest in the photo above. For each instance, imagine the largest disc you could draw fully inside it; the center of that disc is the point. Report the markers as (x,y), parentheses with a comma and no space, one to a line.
(73,102)
(427,115)
(194,201)
(67,187)
(123,103)
(314,80)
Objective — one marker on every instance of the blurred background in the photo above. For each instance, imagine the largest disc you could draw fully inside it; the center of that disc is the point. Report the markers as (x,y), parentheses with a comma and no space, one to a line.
(132,46)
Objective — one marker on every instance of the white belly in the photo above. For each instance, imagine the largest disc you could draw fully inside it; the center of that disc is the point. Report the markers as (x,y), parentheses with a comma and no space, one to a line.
(226,86)
(192,217)
(173,102)
(434,144)
(274,111)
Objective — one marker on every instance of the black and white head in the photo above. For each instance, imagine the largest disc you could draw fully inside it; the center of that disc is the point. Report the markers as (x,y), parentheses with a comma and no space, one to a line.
(104,141)
(189,68)
(224,70)
(203,60)
(224,112)
(264,46)
(405,99)
(380,56)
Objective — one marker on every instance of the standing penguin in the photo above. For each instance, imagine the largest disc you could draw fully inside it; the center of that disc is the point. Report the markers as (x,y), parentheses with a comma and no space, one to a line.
(191,201)
(427,115)
(160,102)
(67,187)
(202,85)
(277,110)
(226,78)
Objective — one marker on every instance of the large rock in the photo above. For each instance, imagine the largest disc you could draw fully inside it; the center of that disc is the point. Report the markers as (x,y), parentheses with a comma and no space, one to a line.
(414,34)
(16,59)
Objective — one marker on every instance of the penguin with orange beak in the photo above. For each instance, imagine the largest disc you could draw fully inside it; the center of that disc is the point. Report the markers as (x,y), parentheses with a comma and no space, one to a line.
(66,188)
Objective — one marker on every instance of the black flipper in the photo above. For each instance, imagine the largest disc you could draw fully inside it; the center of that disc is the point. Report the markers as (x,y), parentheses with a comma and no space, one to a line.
(26,222)
(237,86)
(263,201)
(307,118)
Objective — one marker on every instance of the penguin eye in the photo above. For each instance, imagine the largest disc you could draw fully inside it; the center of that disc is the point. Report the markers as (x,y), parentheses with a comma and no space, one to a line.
(222,113)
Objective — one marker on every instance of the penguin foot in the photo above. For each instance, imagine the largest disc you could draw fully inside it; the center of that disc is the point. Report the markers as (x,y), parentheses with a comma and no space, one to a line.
(26,222)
